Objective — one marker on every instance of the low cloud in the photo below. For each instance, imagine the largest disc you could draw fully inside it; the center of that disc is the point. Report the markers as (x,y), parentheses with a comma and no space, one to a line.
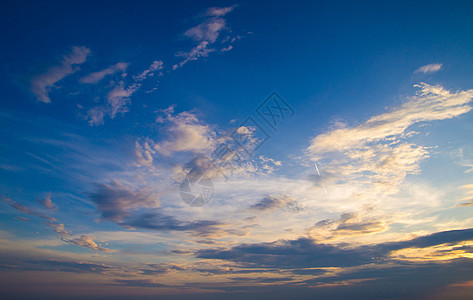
(349,224)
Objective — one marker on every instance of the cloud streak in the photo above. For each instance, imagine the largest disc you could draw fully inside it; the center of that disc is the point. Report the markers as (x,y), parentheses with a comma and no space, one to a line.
(205,35)
(42,84)
(95,77)
(432,68)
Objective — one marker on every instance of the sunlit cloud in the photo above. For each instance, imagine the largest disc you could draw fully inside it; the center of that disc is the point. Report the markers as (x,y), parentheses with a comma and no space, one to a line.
(42,84)
(432,68)
(95,77)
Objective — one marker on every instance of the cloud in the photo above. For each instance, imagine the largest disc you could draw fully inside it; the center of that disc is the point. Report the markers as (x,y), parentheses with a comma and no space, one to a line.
(184,132)
(155,66)
(48,203)
(146,283)
(195,53)
(77,267)
(375,154)
(300,253)
(95,77)
(306,253)
(117,100)
(269,203)
(205,35)
(432,68)
(157,220)
(206,31)
(119,96)
(66,236)
(27,210)
(87,241)
(115,201)
(42,84)
(219,11)
(349,224)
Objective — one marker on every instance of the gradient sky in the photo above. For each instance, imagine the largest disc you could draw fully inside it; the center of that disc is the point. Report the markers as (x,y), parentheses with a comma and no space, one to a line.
(353,180)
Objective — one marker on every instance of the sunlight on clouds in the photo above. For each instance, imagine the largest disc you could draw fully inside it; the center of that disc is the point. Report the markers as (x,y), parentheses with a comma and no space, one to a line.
(95,77)
(432,68)
(42,84)
(376,152)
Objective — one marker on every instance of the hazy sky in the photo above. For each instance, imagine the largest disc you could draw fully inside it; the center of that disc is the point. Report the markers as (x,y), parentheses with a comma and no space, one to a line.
(280,149)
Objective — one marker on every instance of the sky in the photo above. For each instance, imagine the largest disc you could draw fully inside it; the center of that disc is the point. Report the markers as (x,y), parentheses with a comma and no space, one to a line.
(246,150)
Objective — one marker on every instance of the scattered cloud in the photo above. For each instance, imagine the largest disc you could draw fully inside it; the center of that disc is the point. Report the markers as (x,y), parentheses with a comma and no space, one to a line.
(467,200)
(116,201)
(87,241)
(376,154)
(155,66)
(306,253)
(184,132)
(157,220)
(66,236)
(42,84)
(48,203)
(269,203)
(206,35)
(219,11)
(95,77)
(432,68)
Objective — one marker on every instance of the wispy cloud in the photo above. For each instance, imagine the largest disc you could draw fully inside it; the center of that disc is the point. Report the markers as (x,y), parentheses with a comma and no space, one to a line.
(306,253)
(65,235)
(376,153)
(42,84)
(115,201)
(269,203)
(184,132)
(119,96)
(95,77)
(219,11)
(48,203)
(205,35)
(431,68)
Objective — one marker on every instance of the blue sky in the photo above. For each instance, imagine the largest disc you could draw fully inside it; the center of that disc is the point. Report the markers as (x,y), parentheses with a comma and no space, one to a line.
(362,184)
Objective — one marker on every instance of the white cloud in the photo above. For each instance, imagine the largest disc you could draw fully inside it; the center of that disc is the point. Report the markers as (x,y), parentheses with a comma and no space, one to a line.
(95,77)
(430,103)
(119,96)
(375,154)
(155,66)
(42,84)
(219,11)
(432,68)
(117,100)
(184,133)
